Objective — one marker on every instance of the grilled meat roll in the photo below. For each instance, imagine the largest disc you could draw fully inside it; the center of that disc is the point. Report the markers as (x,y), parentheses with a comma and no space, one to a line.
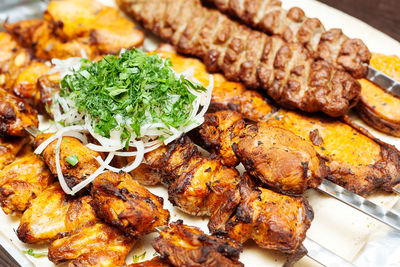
(22,181)
(184,245)
(196,184)
(272,220)
(124,203)
(69,146)
(15,115)
(97,245)
(292,25)
(279,158)
(285,70)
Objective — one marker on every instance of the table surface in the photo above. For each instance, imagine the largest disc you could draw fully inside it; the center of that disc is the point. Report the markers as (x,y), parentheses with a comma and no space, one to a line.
(381,14)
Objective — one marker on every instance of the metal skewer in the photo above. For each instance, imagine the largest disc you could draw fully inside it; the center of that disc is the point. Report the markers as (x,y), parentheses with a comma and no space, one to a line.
(384,81)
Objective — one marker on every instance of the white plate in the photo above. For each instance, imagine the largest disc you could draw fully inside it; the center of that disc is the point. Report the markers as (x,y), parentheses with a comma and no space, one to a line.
(336,226)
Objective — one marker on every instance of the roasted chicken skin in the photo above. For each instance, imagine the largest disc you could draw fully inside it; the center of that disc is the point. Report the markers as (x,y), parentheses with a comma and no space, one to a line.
(286,71)
(97,245)
(124,203)
(22,181)
(73,28)
(53,215)
(69,146)
(15,115)
(272,220)
(276,156)
(184,245)
(197,184)
(9,148)
(292,25)
(13,59)
(356,160)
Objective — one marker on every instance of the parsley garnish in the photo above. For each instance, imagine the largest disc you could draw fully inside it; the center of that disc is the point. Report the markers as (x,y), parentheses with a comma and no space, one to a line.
(137,258)
(72,160)
(30,252)
(139,88)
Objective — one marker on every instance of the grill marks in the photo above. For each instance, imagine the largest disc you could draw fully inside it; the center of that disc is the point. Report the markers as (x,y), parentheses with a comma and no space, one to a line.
(293,26)
(288,72)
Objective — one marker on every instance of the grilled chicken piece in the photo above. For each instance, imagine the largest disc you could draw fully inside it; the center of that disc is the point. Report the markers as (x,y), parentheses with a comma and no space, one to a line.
(293,26)
(154,262)
(13,59)
(196,184)
(184,245)
(124,203)
(53,215)
(97,245)
(9,148)
(276,156)
(70,146)
(25,85)
(272,220)
(22,181)
(104,26)
(73,28)
(286,71)
(47,85)
(15,115)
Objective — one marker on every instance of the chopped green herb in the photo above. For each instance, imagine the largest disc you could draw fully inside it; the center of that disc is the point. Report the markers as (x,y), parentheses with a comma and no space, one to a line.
(155,254)
(136,87)
(72,160)
(137,258)
(30,252)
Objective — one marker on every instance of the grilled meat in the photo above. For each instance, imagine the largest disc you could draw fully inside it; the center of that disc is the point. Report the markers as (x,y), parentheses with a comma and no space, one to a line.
(97,245)
(9,148)
(356,160)
(13,59)
(15,115)
(22,181)
(183,245)
(47,85)
(73,28)
(53,215)
(69,146)
(154,262)
(25,85)
(196,184)
(272,220)
(276,156)
(293,26)
(124,203)
(285,70)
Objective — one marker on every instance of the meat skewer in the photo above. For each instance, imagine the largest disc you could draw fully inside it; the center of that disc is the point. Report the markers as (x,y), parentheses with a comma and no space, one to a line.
(292,25)
(286,71)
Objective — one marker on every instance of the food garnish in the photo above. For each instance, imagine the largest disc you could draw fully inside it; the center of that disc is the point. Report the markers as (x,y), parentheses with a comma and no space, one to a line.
(131,104)
(72,160)
(31,252)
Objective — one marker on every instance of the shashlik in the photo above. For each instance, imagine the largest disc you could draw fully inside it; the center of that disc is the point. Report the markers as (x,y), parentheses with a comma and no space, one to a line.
(285,70)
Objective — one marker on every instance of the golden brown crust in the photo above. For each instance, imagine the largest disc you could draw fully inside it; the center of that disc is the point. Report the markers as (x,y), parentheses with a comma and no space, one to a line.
(154,262)
(277,157)
(52,215)
(70,146)
(100,243)
(15,115)
(285,70)
(22,181)
(272,220)
(9,148)
(124,203)
(183,245)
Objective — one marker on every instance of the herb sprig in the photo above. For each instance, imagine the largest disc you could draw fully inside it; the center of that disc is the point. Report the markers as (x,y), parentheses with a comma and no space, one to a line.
(31,252)
(139,88)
